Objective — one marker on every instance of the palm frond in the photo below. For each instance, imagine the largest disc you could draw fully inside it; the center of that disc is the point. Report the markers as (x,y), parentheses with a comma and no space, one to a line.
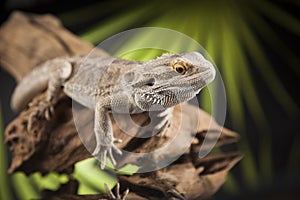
(4,178)
(279,16)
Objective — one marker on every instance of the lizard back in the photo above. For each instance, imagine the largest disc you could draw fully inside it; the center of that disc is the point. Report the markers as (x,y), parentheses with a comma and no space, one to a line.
(95,78)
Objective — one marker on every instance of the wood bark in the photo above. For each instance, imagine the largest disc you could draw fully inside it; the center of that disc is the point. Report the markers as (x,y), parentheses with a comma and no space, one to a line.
(27,40)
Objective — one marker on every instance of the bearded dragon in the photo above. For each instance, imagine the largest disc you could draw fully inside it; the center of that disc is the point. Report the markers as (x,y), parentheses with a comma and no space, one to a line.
(107,84)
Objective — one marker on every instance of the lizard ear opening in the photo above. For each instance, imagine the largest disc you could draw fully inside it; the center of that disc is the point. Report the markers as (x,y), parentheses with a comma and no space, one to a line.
(129,77)
(150,82)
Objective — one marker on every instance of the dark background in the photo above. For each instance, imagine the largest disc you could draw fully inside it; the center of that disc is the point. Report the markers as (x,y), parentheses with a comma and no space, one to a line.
(284,126)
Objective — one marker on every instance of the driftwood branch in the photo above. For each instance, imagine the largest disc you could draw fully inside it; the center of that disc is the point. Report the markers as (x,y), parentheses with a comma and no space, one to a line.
(27,40)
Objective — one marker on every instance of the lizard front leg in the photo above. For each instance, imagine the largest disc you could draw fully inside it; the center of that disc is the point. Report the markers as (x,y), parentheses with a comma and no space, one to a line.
(104,133)
(164,123)
(62,71)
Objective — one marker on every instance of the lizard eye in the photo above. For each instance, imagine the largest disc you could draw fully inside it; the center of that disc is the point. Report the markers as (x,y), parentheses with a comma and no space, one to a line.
(179,68)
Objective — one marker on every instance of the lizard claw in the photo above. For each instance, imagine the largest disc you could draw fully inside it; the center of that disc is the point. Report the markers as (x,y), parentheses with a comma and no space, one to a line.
(111,195)
(43,110)
(103,150)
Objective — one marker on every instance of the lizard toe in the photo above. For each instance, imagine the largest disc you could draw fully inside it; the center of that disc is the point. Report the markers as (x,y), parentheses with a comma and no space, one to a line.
(110,155)
(117,195)
(42,110)
(160,129)
(117,150)
(103,153)
(96,151)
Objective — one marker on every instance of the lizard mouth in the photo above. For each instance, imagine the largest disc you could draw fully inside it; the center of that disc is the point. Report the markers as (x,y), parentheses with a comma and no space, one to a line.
(165,98)
(168,96)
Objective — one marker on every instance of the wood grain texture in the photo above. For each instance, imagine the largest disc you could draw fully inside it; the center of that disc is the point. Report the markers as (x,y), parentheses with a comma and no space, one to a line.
(27,40)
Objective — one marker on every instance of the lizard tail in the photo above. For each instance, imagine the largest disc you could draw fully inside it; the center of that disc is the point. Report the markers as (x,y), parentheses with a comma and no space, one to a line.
(34,83)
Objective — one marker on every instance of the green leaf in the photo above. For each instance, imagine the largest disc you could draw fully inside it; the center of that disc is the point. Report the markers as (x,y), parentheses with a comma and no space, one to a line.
(91,178)
(51,181)
(23,187)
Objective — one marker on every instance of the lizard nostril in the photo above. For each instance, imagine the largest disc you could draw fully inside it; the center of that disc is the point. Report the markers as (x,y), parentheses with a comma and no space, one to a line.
(150,82)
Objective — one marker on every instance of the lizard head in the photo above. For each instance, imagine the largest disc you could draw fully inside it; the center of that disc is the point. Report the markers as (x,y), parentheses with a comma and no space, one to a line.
(170,79)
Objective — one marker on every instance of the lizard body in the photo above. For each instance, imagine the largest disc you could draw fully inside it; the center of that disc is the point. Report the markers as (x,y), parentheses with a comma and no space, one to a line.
(107,84)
